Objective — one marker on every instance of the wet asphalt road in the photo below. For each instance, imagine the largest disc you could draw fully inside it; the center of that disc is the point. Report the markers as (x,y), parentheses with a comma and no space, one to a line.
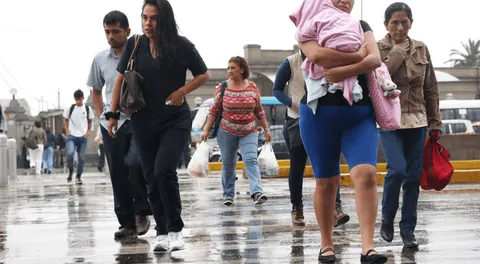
(47,220)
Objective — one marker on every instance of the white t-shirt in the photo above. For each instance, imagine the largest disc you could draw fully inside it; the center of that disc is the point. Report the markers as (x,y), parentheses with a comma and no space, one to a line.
(77,123)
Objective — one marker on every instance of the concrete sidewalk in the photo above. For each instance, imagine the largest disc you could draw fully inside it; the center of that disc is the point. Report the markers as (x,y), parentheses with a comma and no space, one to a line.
(47,220)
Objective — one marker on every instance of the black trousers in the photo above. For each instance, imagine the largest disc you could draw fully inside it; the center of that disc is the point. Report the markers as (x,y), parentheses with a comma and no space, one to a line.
(101,158)
(128,182)
(161,148)
(298,161)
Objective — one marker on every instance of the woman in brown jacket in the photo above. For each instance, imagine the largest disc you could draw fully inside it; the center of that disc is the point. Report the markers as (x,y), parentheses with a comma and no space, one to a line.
(36,155)
(410,67)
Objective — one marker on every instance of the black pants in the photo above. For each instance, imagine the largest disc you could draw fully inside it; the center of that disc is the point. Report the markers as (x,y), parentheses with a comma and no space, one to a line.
(160,150)
(298,161)
(128,183)
(101,158)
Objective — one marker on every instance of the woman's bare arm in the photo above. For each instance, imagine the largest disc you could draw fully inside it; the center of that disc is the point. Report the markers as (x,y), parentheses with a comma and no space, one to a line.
(368,64)
(329,58)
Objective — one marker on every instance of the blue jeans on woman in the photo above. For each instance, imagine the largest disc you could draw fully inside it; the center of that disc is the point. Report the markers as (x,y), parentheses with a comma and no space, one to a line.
(228,144)
(403,150)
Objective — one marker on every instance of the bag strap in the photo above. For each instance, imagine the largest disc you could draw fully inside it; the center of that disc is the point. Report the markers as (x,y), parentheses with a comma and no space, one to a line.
(224,86)
(87,109)
(134,52)
(71,111)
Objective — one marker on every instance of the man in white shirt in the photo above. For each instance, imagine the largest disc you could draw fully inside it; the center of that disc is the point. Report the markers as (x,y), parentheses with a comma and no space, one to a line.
(78,126)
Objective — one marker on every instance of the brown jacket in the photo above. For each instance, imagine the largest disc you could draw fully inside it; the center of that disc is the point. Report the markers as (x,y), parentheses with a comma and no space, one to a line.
(39,134)
(414,75)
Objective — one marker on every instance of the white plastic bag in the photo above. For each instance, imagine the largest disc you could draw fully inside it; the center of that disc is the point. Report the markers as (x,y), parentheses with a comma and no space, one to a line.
(198,165)
(267,162)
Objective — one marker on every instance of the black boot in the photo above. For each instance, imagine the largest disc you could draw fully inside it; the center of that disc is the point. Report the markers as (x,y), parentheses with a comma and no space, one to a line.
(386,231)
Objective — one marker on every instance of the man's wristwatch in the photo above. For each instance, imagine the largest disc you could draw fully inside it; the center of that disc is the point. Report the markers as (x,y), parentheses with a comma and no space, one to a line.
(109,115)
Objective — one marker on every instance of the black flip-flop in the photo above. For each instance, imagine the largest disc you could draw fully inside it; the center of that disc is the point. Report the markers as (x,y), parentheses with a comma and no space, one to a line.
(373,259)
(327,259)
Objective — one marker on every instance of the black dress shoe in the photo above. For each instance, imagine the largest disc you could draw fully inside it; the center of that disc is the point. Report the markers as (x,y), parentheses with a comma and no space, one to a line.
(409,240)
(327,259)
(125,233)
(386,231)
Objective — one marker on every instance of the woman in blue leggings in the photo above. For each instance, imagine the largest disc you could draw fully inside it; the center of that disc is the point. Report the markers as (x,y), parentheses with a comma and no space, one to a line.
(336,126)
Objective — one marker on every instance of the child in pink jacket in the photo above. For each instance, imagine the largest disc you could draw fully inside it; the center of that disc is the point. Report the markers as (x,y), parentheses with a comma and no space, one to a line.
(320,20)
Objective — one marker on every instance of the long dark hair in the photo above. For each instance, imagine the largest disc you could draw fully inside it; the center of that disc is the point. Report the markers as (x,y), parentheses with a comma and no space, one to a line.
(166,32)
(397,7)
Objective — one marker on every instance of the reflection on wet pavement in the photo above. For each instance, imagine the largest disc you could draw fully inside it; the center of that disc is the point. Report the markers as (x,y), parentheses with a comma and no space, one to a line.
(47,220)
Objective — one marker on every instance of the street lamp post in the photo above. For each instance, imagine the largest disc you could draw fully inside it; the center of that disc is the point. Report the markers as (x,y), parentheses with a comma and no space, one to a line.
(13,91)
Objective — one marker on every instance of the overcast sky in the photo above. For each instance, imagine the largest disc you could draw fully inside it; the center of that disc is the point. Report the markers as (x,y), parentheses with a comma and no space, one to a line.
(49,45)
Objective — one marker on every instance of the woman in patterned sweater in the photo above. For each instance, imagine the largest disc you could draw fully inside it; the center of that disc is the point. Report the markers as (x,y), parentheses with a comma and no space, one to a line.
(240,105)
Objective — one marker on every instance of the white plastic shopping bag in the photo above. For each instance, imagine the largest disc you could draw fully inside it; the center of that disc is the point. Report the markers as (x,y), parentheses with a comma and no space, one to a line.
(267,162)
(198,165)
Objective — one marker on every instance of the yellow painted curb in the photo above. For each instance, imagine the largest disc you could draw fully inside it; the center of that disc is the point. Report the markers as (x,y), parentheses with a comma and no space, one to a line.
(217,166)
(459,176)
(381,167)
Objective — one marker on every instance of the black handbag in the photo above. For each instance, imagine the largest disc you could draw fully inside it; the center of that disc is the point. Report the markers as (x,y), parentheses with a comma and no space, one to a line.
(293,130)
(214,130)
(131,96)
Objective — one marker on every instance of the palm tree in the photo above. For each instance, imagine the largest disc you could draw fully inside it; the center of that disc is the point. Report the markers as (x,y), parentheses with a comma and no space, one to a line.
(469,59)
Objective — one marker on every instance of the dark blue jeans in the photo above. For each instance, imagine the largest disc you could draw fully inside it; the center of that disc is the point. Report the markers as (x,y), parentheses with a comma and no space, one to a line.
(403,150)
(78,144)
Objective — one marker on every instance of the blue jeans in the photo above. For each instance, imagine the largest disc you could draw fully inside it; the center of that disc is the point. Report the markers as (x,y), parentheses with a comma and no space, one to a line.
(78,144)
(403,150)
(48,159)
(228,144)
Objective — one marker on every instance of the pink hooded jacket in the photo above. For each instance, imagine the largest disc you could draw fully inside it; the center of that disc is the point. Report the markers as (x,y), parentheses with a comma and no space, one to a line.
(332,28)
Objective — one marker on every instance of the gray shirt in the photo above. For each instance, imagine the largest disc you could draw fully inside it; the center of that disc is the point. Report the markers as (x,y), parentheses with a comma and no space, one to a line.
(103,73)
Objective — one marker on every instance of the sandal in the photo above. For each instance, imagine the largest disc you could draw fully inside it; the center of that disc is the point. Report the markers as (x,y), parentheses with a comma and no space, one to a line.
(327,259)
(373,258)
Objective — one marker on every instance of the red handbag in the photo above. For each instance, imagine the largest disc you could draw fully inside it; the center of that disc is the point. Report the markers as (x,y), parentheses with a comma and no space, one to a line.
(437,169)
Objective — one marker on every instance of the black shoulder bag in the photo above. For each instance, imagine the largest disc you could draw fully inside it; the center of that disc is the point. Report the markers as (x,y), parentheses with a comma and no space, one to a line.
(214,130)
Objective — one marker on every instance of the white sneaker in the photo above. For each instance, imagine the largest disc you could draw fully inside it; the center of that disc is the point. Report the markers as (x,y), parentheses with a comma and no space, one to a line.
(163,243)
(176,241)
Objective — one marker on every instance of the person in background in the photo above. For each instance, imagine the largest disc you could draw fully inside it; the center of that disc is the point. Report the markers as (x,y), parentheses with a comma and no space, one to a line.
(290,78)
(101,151)
(3,122)
(411,69)
(185,159)
(48,151)
(36,155)
(238,128)
(78,126)
(24,154)
(60,151)
(162,128)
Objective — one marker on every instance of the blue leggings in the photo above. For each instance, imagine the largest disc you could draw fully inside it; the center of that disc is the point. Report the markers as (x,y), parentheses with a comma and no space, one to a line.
(349,129)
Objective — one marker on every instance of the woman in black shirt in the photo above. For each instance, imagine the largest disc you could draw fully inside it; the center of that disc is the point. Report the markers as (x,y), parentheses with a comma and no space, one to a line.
(163,127)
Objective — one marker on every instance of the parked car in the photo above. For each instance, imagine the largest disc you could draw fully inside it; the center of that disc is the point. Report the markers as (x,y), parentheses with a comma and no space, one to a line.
(457,126)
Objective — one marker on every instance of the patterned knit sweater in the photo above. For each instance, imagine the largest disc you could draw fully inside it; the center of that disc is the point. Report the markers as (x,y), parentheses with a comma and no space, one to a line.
(240,107)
